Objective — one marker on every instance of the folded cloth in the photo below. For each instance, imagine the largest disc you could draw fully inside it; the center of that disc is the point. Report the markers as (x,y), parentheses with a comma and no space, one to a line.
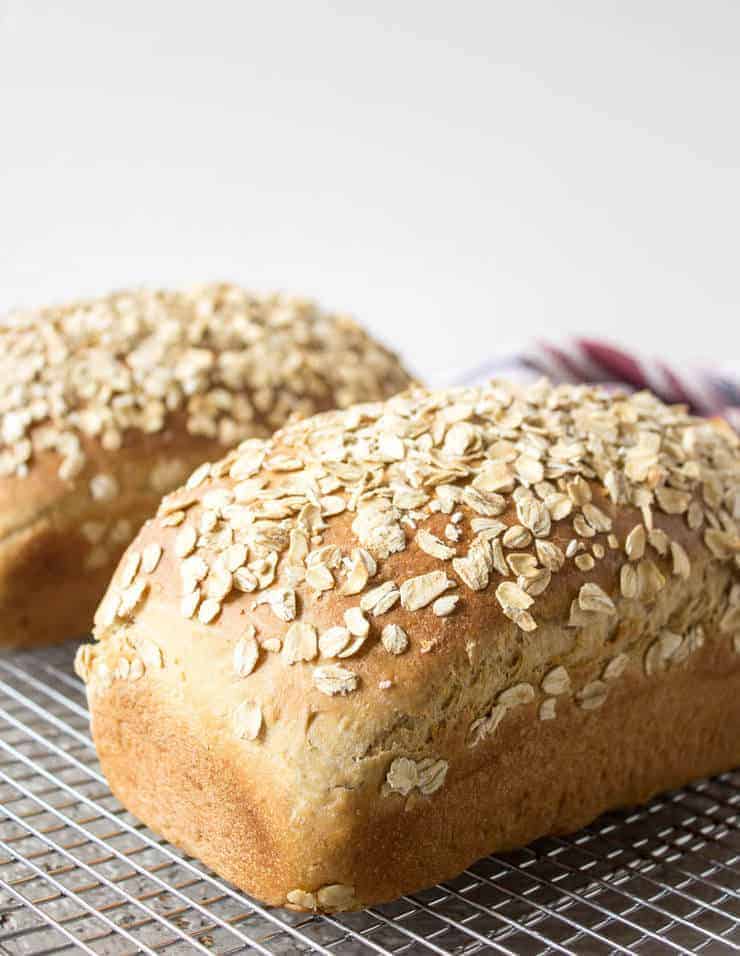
(706,391)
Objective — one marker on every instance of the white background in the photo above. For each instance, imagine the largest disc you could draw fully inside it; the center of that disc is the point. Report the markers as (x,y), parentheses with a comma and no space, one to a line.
(461,176)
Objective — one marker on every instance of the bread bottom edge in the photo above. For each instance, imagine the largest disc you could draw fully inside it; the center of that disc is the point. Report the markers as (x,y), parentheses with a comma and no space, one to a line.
(533,779)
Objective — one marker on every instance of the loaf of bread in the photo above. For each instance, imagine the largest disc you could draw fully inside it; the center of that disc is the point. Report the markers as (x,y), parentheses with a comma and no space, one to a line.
(108,404)
(340,665)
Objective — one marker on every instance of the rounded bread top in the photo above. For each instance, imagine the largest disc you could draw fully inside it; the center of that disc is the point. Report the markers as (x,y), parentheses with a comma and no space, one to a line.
(221,361)
(408,524)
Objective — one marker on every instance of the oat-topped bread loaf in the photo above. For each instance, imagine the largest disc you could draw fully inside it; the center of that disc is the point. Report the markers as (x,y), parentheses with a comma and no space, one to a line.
(105,405)
(343,664)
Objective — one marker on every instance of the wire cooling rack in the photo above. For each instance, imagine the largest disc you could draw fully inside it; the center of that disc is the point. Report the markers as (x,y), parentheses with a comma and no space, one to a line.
(78,874)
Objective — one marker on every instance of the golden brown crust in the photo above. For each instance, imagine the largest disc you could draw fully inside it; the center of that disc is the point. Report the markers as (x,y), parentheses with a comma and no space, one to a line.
(59,545)
(397,742)
(536,778)
(106,405)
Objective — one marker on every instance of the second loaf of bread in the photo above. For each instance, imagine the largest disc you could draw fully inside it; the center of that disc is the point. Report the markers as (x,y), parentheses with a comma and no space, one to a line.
(107,404)
(343,664)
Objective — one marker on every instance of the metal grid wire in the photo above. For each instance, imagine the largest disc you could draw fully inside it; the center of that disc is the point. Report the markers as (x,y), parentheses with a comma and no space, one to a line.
(79,874)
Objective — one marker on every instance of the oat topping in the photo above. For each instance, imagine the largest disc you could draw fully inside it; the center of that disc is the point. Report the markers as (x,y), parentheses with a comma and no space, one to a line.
(516,537)
(659,541)
(405,775)
(333,641)
(246,654)
(185,541)
(300,643)
(556,681)
(681,563)
(402,775)
(485,726)
(593,598)
(356,622)
(130,597)
(445,605)
(634,544)
(549,555)
(547,709)
(381,599)
(433,545)
(531,480)
(516,695)
(584,562)
(417,592)
(84,659)
(208,611)
(510,595)
(231,363)
(247,720)
(403,461)
(129,568)
(189,603)
(150,557)
(305,900)
(335,896)
(281,601)
(628,582)
(593,695)
(333,679)
(394,638)
(151,654)
(616,667)
(668,648)
(431,774)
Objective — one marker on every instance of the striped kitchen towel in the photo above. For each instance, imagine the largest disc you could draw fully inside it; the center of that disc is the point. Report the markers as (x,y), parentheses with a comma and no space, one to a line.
(706,391)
